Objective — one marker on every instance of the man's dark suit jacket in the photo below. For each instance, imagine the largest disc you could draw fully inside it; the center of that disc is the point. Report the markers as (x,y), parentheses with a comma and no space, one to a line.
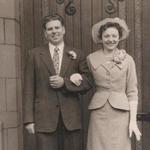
(42,103)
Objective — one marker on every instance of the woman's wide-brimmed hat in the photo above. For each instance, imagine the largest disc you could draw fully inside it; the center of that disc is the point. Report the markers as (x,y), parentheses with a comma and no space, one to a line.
(96,27)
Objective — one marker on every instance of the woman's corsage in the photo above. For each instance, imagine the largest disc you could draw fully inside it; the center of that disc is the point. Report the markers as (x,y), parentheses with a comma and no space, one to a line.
(119,56)
(72,54)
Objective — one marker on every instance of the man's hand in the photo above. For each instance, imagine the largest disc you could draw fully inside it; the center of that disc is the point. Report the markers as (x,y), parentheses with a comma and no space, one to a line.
(56,81)
(76,78)
(30,128)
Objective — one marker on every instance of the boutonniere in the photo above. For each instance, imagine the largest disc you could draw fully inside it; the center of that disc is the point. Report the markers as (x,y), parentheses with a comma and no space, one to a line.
(118,57)
(72,55)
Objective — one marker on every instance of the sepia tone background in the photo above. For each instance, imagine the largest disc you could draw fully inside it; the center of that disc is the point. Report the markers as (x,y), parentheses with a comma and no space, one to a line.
(20,30)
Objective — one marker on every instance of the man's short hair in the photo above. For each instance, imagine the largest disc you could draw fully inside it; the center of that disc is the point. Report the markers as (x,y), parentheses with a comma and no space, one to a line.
(51,18)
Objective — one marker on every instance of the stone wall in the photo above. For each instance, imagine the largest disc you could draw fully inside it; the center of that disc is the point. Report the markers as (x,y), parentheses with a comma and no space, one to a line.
(10,76)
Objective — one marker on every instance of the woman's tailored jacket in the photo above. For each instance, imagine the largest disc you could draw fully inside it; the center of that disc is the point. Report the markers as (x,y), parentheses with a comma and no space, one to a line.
(115,82)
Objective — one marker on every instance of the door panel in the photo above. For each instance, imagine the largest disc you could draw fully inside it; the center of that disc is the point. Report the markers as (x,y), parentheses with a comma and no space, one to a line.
(146,70)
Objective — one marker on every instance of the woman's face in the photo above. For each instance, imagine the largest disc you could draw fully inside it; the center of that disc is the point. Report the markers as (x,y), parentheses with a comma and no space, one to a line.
(110,38)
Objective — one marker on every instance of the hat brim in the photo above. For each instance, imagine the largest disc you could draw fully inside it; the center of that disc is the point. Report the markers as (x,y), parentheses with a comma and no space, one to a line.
(97,26)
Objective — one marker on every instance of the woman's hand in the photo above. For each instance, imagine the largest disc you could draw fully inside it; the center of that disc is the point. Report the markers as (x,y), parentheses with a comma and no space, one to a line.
(133,128)
(76,78)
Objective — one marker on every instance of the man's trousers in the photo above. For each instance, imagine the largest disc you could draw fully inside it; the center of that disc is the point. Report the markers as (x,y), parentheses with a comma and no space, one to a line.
(61,139)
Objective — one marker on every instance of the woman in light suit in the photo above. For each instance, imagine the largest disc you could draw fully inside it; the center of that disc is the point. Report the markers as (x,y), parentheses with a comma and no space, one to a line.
(114,104)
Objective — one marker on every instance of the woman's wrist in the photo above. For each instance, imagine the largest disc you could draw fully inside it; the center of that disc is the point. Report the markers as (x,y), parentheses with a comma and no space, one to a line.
(133,121)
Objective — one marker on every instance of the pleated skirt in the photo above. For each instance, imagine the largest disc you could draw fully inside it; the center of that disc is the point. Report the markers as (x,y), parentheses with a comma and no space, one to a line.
(108,129)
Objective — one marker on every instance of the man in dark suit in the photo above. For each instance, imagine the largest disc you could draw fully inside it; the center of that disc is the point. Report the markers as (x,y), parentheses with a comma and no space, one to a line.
(54,76)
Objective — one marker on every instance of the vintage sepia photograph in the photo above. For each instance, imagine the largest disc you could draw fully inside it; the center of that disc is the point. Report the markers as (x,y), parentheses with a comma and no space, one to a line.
(74,74)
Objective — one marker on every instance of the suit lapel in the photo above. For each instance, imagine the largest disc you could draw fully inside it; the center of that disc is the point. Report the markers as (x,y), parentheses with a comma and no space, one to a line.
(66,61)
(47,59)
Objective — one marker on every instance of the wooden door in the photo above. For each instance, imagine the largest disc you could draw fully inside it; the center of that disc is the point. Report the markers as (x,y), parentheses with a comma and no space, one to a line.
(79,17)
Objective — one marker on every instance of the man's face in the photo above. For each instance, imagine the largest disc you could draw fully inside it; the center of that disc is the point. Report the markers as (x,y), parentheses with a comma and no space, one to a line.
(54,32)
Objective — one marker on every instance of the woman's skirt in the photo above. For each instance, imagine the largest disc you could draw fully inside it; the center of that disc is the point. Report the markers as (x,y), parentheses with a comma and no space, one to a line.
(108,129)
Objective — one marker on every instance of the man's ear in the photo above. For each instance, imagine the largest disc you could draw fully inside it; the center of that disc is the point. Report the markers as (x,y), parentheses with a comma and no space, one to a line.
(45,34)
